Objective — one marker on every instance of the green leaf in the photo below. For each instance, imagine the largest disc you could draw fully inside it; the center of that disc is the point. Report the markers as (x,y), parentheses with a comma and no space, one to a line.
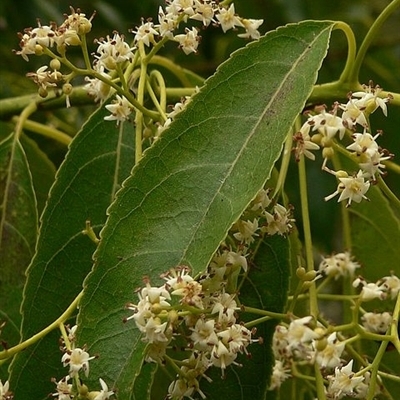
(42,169)
(99,158)
(266,287)
(195,181)
(18,216)
(375,234)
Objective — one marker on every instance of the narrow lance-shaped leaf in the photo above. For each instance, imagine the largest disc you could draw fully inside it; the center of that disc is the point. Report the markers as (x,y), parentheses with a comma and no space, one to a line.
(99,158)
(194,183)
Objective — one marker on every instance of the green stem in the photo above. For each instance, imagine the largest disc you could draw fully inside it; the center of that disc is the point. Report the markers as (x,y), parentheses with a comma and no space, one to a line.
(54,325)
(319,383)
(85,52)
(374,370)
(394,201)
(44,130)
(258,311)
(140,99)
(370,36)
(307,233)
(346,75)
(287,150)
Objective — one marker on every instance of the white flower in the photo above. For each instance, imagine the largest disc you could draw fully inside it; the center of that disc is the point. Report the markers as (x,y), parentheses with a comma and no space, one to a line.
(329,357)
(279,222)
(376,322)
(280,344)
(178,7)
(236,337)
(339,264)
(113,51)
(343,382)
(350,188)
(64,389)
(392,285)
(370,291)
(221,357)
(328,124)
(225,306)
(77,359)
(104,394)
(247,231)
(300,333)
(188,41)
(261,201)
(4,391)
(120,110)
(364,143)
(203,12)
(228,19)
(43,35)
(179,389)
(304,145)
(155,330)
(279,374)
(203,335)
(251,26)
(97,88)
(145,33)
(167,23)
(370,100)
(353,113)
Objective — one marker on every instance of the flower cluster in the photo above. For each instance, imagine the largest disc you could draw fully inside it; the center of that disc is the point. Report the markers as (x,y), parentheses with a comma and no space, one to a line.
(114,53)
(388,286)
(76,359)
(205,311)
(321,128)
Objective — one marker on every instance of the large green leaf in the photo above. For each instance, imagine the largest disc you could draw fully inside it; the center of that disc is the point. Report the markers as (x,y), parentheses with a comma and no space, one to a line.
(42,169)
(18,216)
(99,158)
(190,187)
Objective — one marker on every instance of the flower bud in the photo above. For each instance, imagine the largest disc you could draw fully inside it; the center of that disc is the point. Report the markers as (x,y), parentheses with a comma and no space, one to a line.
(67,88)
(309,276)
(55,64)
(320,344)
(300,272)
(38,50)
(328,152)
(43,92)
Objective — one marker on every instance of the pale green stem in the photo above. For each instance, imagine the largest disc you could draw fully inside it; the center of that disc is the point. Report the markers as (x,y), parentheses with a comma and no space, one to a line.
(393,167)
(346,75)
(287,150)
(307,233)
(394,201)
(395,324)
(140,99)
(257,311)
(155,101)
(319,383)
(181,73)
(44,130)
(85,52)
(29,109)
(54,325)
(370,36)
(159,79)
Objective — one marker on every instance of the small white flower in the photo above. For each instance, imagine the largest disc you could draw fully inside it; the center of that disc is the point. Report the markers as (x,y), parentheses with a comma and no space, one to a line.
(350,188)
(188,41)
(145,33)
(370,291)
(120,110)
(343,383)
(251,26)
(329,357)
(328,124)
(353,113)
(155,330)
(97,88)
(225,306)
(77,359)
(279,222)
(300,333)
(203,12)
(203,334)
(221,357)
(236,337)
(280,373)
(370,100)
(364,143)
(228,19)
(339,264)
(376,322)
(167,23)
(179,389)
(280,344)
(4,391)
(304,145)
(247,231)
(64,389)
(104,394)
(392,285)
